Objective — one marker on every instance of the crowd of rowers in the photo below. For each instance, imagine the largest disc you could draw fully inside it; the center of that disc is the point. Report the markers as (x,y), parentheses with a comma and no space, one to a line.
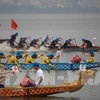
(47,42)
(14,59)
(27,81)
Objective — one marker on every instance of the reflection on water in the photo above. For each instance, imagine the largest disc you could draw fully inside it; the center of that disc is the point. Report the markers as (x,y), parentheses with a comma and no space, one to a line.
(40,98)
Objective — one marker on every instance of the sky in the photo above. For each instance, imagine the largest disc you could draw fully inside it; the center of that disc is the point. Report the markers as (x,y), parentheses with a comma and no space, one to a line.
(49,6)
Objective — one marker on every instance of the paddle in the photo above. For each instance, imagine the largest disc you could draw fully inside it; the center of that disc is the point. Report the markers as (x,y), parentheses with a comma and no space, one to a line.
(75,41)
(94,38)
(14,70)
(58,54)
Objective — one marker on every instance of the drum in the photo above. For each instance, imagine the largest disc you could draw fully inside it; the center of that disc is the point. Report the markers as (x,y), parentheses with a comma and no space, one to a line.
(76,59)
(26,80)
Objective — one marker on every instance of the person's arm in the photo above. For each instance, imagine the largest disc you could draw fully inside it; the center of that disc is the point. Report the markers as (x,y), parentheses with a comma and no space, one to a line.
(89,61)
(41,79)
(56,57)
(6,56)
(39,55)
(6,72)
(16,62)
(3,68)
(16,42)
(24,55)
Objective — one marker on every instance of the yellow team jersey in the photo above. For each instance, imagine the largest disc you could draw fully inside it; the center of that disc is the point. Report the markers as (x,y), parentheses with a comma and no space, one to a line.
(3,58)
(30,60)
(45,60)
(92,59)
(13,60)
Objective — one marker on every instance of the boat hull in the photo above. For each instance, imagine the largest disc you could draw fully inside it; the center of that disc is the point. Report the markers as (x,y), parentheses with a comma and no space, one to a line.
(33,91)
(58,66)
(44,49)
(95,48)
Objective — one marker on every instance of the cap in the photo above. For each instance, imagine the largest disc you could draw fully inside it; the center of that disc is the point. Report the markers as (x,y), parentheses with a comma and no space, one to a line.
(51,55)
(1,53)
(91,52)
(83,39)
(21,38)
(36,64)
(17,53)
(69,40)
(34,54)
(57,39)
(16,33)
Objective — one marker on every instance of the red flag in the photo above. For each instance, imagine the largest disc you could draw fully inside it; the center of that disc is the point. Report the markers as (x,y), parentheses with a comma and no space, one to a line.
(14,24)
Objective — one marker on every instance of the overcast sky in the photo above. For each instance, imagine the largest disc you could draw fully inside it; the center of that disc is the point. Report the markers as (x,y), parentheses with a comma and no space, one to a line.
(46,6)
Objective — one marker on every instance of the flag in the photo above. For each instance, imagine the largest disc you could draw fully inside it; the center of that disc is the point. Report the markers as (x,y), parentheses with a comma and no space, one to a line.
(14,24)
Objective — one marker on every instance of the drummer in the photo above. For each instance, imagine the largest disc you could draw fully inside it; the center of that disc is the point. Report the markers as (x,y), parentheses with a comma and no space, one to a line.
(92,58)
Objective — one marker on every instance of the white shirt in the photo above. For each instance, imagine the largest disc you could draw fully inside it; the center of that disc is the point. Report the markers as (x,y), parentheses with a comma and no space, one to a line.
(39,74)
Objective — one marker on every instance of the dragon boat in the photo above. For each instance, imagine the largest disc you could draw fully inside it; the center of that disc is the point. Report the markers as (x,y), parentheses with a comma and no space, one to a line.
(57,66)
(6,47)
(48,90)
(70,49)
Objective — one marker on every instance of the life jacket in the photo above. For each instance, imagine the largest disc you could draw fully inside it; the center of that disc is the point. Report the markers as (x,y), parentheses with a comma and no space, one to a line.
(76,59)
(26,80)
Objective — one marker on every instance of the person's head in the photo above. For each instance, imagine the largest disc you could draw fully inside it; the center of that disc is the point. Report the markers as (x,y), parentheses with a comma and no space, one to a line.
(91,53)
(47,37)
(50,56)
(18,56)
(2,55)
(69,40)
(16,34)
(17,53)
(83,39)
(34,55)
(21,38)
(36,65)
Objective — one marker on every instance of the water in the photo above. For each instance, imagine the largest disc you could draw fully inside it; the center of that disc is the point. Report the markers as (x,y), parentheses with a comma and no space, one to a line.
(68,25)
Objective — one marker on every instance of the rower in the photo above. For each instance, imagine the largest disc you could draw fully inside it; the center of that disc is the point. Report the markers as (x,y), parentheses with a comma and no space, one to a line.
(86,43)
(92,58)
(20,44)
(2,56)
(48,58)
(23,42)
(15,59)
(55,42)
(68,44)
(30,60)
(13,39)
(34,43)
(45,41)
